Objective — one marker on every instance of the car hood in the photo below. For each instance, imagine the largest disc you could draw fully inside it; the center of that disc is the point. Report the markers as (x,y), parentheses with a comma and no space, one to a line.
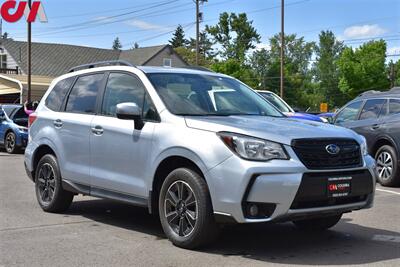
(282,130)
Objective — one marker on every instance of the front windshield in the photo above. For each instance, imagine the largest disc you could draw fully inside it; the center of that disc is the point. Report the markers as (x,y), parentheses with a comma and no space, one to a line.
(276,101)
(204,95)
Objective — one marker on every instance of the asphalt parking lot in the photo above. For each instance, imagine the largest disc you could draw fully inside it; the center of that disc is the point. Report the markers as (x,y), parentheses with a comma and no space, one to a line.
(104,233)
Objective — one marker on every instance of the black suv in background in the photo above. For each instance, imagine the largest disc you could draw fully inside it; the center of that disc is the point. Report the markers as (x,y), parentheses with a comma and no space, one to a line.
(376,116)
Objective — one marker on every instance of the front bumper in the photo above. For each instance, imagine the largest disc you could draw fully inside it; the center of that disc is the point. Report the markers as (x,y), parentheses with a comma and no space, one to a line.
(276,184)
(22,139)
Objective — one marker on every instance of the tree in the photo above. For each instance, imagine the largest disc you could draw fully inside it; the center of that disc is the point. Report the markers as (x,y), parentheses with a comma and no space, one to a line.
(235,34)
(205,46)
(260,64)
(236,69)
(363,69)
(298,77)
(178,39)
(117,44)
(135,46)
(5,35)
(326,67)
(189,55)
(394,72)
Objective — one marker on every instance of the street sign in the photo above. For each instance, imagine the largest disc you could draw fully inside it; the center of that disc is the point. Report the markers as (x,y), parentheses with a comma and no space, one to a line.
(323,107)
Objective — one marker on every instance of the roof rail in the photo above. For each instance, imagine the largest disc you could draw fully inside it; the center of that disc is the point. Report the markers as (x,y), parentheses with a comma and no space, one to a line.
(395,90)
(102,64)
(370,92)
(197,68)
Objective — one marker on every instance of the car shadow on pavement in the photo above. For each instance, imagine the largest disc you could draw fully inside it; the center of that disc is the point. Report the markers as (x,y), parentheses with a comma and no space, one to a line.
(345,244)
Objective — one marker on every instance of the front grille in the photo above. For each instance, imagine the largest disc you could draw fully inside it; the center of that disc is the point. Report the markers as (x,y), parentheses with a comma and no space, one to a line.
(313,193)
(314,155)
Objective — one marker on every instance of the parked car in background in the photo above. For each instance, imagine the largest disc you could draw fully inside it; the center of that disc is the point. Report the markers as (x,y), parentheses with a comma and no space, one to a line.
(376,116)
(13,127)
(195,147)
(280,104)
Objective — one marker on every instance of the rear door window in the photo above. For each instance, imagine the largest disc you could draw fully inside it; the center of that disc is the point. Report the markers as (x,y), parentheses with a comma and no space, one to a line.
(57,94)
(371,109)
(349,113)
(394,106)
(83,96)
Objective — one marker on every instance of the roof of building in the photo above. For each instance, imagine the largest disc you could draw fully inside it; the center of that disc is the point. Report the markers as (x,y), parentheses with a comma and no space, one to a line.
(56,59)
(141,55)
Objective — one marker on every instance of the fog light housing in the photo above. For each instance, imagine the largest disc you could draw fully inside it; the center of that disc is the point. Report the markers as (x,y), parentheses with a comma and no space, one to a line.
(253,210)
(258,210)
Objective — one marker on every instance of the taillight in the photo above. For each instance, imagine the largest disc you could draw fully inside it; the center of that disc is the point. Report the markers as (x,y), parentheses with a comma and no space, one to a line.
(32,118)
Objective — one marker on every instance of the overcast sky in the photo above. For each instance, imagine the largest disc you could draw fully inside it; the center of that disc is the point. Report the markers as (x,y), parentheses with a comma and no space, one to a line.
(150,22)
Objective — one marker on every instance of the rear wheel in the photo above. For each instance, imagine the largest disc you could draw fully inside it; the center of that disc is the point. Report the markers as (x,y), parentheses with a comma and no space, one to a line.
(10,143)
(49,192)
(318,224)
(386,166)
(185,209)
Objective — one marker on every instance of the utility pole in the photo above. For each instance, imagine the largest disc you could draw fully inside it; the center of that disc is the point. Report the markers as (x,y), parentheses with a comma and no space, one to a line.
(282,45)
(29,51)
(197,31)
(199,18)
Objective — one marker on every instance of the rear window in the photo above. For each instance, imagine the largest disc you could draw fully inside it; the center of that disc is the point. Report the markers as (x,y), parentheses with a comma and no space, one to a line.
(57,94)
(394,106)
(9,110)
(82,98)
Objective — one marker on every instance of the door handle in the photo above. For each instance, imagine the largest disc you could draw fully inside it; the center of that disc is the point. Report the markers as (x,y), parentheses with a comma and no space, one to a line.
(375,126)
(58,123)
(97,130)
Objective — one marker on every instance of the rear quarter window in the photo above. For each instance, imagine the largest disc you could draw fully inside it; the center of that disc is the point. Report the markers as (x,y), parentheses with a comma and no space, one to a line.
(57,95)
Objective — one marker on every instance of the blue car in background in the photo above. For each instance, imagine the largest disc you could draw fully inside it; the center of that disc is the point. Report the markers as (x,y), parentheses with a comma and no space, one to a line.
(13,128)
(280,104)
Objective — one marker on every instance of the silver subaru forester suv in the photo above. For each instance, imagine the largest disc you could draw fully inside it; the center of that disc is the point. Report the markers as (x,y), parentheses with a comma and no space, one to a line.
(195,147)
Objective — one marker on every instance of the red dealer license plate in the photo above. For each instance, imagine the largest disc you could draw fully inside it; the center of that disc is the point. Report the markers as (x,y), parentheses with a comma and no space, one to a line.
(339,186)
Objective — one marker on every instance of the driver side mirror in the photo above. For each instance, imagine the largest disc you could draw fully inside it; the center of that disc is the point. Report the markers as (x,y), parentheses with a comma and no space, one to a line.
(130,111)
(2,115)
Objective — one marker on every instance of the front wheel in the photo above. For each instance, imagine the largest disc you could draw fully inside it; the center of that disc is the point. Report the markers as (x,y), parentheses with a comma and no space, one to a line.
(10,143)
(185,209)
(386,166)
(49,192)
(318,224)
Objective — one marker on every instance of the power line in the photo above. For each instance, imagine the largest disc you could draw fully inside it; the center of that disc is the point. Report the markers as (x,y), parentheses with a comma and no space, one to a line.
(102,12)
(158,35)
(106,19)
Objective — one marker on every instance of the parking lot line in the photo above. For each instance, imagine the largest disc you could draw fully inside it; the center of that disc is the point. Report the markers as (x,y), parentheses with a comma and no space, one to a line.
(388,191)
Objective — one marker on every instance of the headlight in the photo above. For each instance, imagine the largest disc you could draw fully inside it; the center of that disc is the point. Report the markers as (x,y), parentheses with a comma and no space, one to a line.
(252,148)
(324,119)
(363,146)
(23,129)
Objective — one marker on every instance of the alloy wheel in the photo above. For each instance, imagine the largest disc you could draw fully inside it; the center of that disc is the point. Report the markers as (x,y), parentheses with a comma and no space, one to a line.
(46,183)
(384,164)
(10,142)
(181,208)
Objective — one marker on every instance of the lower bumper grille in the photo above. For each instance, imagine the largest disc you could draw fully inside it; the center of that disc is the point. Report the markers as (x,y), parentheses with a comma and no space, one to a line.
(313,190)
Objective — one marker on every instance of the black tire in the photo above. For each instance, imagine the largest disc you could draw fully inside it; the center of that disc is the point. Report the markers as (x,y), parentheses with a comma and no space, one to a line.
(197,232)
(318,224)
(49,192)
(10,143)
(389,155)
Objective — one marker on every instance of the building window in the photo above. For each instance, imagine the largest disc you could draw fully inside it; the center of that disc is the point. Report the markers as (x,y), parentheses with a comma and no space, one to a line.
(167,62)
(3,61)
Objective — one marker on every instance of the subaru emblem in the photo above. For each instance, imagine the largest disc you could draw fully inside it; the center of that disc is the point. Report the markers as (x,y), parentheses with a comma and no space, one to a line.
(332,149)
